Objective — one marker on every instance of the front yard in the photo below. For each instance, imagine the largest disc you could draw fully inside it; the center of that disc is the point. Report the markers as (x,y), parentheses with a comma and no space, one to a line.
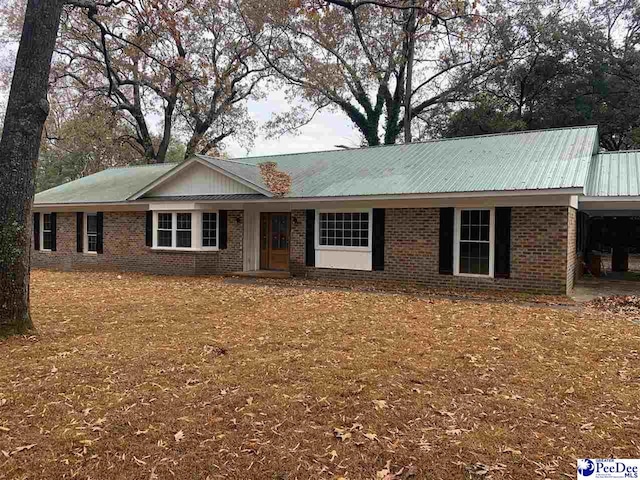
(141,377)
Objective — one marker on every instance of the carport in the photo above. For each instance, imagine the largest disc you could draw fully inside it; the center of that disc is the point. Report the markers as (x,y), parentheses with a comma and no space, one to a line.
(608,223)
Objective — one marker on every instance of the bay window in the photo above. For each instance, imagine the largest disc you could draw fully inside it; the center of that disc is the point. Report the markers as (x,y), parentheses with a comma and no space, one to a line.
(186,230)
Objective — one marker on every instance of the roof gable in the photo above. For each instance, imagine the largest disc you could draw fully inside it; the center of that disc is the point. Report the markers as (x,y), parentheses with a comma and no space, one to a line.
(198,179)
(196,176)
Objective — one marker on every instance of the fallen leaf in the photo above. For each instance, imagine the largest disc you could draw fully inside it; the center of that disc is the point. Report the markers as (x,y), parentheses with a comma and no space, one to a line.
(385,472)
(380,404)
(511,450)
(569,390)
(587,427)
(341,434)
(179,435)
(24,447)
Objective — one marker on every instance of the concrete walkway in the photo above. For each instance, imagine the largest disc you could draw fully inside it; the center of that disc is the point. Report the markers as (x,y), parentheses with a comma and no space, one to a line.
(589,288)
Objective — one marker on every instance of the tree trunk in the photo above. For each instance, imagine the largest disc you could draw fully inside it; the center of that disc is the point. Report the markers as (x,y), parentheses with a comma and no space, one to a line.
(27,110)
(411,44)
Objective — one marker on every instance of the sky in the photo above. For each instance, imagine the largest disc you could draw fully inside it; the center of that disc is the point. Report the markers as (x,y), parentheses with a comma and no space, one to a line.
(325,131)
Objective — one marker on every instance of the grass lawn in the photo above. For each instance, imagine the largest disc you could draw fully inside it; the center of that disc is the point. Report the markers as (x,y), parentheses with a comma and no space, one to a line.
(144,377)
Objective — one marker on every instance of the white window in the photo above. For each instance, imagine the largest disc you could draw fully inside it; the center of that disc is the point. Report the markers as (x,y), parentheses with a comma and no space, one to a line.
(91,232)
(188,230)
(343,239)
(474,242)
(344,229)
(47,232)
(165,230)
(209,229)
(183,230)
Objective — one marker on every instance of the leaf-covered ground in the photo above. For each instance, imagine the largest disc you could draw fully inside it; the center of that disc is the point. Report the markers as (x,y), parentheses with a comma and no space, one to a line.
(141,377)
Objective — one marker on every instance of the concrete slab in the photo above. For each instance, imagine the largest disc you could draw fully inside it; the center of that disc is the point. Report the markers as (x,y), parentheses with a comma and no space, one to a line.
(589,288)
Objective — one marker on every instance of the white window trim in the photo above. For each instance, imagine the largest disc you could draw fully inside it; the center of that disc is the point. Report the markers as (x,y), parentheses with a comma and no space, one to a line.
(456,242)
(200,215)
(85,246)
(41,229)
(341,247)
(196,231)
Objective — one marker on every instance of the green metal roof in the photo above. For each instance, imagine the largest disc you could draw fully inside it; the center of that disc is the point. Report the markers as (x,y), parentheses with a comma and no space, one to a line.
(108,186)
(614,174)
(533,160)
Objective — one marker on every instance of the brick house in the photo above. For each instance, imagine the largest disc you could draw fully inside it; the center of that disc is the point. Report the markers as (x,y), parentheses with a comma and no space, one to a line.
(493,211)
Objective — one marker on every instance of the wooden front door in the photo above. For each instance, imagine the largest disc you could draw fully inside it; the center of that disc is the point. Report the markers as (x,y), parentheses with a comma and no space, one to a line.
(274,241)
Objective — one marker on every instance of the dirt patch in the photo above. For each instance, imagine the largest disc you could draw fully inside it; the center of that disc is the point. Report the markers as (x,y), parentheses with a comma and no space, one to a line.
(143,377)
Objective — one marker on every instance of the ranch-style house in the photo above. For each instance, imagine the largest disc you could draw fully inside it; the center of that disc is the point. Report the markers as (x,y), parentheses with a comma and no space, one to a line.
(504,211)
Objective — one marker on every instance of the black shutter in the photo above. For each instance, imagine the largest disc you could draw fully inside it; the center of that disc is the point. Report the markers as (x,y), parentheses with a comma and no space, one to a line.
(36,231)
(79,232)
(148,233)
(446,240)
(222,219)
(378,239)
(100,232)
(310,238)
(502,265)
(54,231)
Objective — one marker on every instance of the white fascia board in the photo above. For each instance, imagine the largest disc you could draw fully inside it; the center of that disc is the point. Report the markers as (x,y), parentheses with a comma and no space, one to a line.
(174,171)
(91,207)
(557,197)
(172,206)
(610,199)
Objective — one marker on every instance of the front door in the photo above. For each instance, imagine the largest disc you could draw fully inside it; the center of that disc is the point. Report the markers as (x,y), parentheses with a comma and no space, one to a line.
(274,241)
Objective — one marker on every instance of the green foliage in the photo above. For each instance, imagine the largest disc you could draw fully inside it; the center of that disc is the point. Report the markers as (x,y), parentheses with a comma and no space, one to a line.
(485,115)
(56,168)
(572,73)
(176,152)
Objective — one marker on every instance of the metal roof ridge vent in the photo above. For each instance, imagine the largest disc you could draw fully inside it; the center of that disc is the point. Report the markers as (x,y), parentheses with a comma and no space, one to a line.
(410,145)
(138,166)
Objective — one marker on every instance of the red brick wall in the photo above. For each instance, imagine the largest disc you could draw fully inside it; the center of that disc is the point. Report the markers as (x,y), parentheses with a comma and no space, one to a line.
(125,250)
(540,244)
(542,250)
